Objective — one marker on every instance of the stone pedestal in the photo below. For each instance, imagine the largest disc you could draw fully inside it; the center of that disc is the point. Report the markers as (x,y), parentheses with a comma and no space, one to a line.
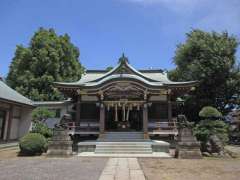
(187,146)
(61,143)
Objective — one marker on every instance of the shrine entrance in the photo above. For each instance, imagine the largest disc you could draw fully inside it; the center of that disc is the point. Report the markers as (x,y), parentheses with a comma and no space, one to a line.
(125,116)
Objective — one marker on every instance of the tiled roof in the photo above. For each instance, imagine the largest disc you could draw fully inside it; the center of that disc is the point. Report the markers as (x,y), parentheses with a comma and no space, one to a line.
(93,78)
(8,94)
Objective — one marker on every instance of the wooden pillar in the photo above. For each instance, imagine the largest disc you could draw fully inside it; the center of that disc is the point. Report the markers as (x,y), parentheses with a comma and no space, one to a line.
(102,119)
(169,106)
(9,123)
(116,113)
(145,121)
(78,109)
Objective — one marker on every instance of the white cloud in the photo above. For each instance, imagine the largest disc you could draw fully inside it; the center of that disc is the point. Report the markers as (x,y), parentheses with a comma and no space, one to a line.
(176,5)
(216,15)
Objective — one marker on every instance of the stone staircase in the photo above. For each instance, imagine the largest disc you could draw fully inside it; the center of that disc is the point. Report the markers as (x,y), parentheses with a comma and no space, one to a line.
(123,143)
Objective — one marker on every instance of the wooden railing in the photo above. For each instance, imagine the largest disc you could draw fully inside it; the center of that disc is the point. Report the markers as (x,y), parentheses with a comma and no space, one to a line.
(83,126)
(156,127)
(164,127)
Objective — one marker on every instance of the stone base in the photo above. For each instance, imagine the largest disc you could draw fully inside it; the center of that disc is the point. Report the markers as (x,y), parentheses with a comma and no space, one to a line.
(160,146)
(188,154)
(61,144)
(86,147)
(187,146)
(60,148)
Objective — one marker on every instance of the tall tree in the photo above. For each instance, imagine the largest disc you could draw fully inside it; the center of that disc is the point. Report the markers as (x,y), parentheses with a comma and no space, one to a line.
(48,58)
(210,59)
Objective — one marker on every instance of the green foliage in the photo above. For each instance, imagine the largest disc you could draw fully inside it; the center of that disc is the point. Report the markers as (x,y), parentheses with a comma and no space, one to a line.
(47,59)
(208,127)
(41,128)
(41,114)
(209,111)
(109,68)
(33,144)
(210,59)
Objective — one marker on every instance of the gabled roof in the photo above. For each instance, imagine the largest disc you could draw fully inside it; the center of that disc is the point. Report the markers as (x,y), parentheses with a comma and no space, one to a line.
(123,71)
(10,95)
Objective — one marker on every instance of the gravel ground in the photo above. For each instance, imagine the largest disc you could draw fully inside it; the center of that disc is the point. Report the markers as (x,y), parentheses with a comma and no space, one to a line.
(52,168)
(180,169)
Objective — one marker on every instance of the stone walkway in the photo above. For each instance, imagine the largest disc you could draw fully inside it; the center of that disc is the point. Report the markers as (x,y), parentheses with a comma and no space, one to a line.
(122,169)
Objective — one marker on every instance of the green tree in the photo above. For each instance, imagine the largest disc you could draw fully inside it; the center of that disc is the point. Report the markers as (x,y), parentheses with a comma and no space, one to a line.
(209,112)
(109,68)
(210,59)
(210,124)
(48,58)
(41,114)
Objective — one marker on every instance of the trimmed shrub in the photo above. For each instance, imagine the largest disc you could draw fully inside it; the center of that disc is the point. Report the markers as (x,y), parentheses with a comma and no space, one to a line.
(209,112)
(41,128)
(33,144)
(42,114)
(205,128)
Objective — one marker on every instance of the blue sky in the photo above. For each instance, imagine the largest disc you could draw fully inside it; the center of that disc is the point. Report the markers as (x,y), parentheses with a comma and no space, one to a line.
(147,31)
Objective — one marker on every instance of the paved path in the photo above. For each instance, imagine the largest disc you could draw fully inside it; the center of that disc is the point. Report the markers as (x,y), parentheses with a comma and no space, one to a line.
(40,168)
(122,169)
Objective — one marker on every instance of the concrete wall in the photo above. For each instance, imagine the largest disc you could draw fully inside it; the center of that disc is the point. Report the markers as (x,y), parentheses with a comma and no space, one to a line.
(25,124)
(15,122)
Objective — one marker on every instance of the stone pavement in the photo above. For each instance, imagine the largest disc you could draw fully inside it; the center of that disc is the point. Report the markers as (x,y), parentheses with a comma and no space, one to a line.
(11,144)
(122,169)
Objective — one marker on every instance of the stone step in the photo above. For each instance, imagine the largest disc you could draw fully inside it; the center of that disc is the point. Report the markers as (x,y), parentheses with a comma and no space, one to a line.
(123,152)
(119,145)
(124,145)
(125,149)
(120,140)
(122,136)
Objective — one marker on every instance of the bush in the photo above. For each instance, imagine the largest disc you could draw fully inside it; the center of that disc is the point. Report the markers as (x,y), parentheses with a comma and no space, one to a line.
(41,128)
(42,114)
(205,128)
(209,112)
(33,144)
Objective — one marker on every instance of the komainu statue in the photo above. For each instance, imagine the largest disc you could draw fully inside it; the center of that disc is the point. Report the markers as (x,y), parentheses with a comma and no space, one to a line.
(61,143)
(187,145)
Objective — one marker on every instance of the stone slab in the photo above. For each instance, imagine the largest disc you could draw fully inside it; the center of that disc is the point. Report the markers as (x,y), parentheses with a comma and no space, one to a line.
(122,169)
(154,154)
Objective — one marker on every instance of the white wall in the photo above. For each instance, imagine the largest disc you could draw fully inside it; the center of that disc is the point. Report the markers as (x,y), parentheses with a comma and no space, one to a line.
(15,122)
(25,123)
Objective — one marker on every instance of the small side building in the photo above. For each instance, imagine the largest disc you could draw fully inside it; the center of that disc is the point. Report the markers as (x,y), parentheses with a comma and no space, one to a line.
(15,113)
